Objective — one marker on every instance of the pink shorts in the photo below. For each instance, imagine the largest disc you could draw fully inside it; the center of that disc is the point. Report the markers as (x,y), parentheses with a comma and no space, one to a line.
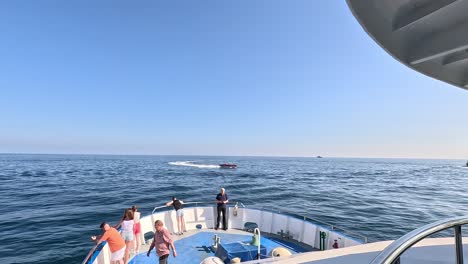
(136,228)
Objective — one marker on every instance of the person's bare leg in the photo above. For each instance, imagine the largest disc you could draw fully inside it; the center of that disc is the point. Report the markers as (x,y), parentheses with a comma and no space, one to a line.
(138,242)
(178,225)
(127,251)
(182,220)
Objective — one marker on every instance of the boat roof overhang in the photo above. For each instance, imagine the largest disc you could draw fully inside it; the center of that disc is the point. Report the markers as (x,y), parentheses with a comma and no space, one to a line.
(429,36)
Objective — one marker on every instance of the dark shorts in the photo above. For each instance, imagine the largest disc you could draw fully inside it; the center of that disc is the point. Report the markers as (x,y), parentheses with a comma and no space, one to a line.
(163,259)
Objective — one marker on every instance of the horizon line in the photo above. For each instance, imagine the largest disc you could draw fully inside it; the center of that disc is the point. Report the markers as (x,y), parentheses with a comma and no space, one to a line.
(220,155)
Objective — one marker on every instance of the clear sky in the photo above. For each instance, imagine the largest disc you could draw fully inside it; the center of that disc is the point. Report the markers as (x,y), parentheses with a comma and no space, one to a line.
(270,78)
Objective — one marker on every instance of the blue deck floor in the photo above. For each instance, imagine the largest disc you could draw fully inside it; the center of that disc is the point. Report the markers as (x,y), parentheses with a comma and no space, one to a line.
(197,247)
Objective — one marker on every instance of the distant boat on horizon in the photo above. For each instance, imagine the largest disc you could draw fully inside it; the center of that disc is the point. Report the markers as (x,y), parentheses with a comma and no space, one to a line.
(319,157)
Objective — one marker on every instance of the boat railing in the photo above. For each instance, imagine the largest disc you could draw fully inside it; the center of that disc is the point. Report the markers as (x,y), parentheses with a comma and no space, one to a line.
(332,227)
(392,253)
(189,204)
(193,204)
(90,254)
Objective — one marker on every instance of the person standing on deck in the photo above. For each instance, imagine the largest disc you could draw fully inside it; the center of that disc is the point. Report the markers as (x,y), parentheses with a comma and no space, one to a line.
(163,242)
(221,200)
(179,214)
(127,224)
(136,229)
(115,241)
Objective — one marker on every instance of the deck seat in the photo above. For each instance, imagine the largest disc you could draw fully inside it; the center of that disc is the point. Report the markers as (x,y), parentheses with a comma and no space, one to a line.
(250,226)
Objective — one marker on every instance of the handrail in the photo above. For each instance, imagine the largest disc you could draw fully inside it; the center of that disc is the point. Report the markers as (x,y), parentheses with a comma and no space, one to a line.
(164,206)
(191,203)
(263,208)
(90,254)
(346,231)
(259,243)
(332,227)
(393,251)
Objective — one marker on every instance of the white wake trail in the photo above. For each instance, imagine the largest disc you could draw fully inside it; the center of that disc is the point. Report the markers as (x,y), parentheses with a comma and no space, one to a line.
(192,164)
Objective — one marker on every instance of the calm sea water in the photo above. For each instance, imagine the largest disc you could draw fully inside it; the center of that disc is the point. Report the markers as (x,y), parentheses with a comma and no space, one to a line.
(53,203)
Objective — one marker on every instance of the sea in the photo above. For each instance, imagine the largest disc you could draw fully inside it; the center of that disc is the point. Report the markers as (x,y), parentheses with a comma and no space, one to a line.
(52,204)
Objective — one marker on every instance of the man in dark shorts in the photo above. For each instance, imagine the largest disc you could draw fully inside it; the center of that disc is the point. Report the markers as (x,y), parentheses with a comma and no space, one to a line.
(163,242)
(222,199)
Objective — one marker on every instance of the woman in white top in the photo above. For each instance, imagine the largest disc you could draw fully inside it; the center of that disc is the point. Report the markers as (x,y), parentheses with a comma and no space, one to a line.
(136,228)
(127,231)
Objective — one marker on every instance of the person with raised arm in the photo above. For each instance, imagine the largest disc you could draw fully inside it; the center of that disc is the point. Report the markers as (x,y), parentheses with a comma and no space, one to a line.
(178,204)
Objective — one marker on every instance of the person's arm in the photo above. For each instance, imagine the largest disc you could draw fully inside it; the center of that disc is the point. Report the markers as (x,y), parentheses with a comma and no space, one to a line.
(218,199)
(168,239)
(97,239)
(181,202)
(174,253)
(100,241)
(101,238)
(169,203)
(227,199)
(151,248)
(119,224)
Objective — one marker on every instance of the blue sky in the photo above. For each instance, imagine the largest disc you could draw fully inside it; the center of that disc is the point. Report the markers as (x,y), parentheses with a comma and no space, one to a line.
(270,78)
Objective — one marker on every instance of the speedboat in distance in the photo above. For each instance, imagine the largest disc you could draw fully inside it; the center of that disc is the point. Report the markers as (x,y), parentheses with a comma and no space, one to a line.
(227,166)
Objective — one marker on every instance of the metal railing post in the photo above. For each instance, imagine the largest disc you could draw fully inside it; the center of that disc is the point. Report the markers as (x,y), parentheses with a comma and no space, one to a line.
(458,244)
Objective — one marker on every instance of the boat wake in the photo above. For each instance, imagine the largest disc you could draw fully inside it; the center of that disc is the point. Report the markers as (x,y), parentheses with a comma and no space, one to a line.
(193,164)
